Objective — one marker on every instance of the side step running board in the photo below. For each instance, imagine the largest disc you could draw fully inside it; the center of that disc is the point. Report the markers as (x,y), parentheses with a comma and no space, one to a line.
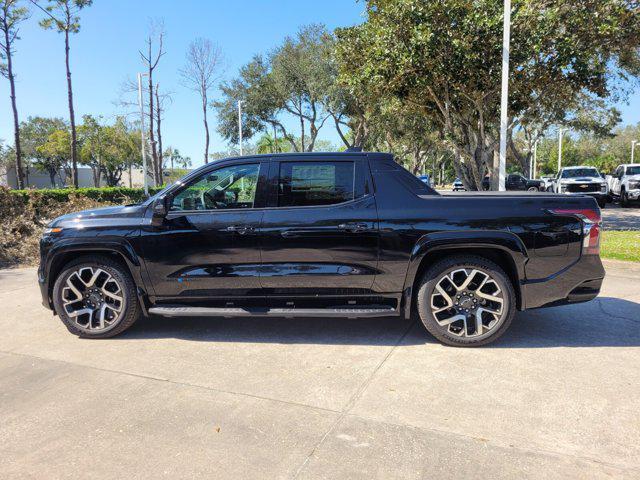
(174,311)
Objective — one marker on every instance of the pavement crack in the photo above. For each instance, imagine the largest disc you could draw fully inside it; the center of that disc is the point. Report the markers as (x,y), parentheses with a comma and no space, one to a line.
(349,405)
(604,311)
(173,382)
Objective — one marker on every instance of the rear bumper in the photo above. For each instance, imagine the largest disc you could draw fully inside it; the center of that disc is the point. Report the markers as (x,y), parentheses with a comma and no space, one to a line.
(577,283)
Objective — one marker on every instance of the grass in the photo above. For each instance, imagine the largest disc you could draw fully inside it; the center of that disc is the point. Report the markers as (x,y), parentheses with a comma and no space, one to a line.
(620,245)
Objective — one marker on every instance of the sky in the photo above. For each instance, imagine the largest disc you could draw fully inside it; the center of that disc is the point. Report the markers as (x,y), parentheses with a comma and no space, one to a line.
(105,53)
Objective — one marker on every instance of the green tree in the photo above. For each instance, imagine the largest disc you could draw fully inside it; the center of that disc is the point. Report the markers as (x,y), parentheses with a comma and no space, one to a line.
(443,59)
(176,159)
(268,144)
(54,155)
(11,15)
(34,133)
(121,151)
(294,80)
(63,15)
(92,146)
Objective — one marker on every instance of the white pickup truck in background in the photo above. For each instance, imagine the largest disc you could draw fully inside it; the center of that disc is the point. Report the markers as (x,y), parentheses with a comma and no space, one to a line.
(624,184)
(582,180)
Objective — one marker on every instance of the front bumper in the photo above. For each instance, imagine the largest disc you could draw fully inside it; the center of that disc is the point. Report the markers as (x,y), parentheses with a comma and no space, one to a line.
(633,194)
(588,194)
(580,282)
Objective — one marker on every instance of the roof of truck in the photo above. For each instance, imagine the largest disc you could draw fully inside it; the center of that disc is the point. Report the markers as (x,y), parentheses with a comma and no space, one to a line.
(575,167)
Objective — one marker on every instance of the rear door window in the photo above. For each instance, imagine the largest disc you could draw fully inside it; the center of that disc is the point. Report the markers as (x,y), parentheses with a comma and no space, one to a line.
(310,183)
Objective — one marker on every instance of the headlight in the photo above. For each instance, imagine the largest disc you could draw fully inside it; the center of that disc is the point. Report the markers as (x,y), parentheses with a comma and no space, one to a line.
(49,231)
(603,188)
(634,185)
(563,188)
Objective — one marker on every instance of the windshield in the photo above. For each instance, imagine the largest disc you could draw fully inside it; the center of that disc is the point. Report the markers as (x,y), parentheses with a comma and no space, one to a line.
(164,190)
(580,172)
(633,170)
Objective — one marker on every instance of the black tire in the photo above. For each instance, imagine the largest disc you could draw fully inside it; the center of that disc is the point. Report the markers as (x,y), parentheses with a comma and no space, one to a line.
(427,287)
(624,200)
(130,309)
(602,203)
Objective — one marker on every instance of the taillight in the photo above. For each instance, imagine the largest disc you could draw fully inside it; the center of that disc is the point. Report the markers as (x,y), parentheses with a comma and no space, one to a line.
(591,221)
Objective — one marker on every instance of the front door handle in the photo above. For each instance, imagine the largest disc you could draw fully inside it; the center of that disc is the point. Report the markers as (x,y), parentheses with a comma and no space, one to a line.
(240,229)
(354,227)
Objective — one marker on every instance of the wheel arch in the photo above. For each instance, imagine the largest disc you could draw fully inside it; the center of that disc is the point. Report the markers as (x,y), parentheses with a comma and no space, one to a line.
(122,253)
(503,248)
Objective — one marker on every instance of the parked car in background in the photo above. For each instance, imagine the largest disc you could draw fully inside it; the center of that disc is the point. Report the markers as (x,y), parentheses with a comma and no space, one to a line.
(547,180)
(458,186)
(516,181)
(624,184)
(338,235)
(582,180)
(426,178)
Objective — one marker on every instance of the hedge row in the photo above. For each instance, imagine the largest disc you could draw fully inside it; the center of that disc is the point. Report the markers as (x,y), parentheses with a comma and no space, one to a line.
(106,194)
(25,213)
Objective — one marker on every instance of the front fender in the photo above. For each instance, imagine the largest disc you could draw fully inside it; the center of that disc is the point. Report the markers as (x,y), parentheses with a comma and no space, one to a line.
(60,252)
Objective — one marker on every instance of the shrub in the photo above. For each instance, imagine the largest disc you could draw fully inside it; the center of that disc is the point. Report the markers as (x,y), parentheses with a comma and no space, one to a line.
(25,213)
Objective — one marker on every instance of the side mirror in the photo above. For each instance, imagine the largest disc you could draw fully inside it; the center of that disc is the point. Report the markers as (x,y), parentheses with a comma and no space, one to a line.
(160,210)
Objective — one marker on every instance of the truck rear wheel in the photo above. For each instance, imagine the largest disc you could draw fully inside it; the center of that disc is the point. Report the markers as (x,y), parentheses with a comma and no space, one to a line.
(466,301)
(95,297)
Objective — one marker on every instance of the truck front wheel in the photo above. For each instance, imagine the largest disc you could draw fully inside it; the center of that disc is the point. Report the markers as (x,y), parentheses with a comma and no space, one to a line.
(466,301)
(95,297)
(624,199)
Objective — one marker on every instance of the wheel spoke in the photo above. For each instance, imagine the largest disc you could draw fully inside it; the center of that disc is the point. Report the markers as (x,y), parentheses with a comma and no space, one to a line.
(93,298)
(468,302)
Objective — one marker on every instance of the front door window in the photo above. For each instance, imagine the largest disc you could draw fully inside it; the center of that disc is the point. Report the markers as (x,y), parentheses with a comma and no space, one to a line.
(232,187)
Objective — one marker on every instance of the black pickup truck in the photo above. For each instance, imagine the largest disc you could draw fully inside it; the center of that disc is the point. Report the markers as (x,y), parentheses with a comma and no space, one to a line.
(325,235)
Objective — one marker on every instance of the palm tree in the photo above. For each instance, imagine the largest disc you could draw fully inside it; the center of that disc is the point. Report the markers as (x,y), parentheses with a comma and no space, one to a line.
(268,144)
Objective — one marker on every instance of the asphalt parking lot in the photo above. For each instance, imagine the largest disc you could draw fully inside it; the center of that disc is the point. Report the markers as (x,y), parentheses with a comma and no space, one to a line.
(617,218)
(556,397)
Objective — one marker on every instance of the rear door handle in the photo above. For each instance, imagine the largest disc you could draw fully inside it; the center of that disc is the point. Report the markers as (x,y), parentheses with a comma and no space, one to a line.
(354,227)
(240,229)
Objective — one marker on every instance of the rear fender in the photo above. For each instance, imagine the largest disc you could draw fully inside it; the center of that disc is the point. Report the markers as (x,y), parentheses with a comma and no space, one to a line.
(464,243)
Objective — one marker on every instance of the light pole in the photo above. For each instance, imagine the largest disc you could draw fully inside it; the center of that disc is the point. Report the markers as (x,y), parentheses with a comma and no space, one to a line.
(633,147)
(560,132)
(504,101)
(240,124)
(142,141)
(535,159)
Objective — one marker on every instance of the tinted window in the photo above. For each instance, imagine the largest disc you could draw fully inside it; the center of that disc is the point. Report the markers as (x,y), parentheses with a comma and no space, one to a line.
(315,183)
(228,187)
(402,175)
(580,172)
(633,170)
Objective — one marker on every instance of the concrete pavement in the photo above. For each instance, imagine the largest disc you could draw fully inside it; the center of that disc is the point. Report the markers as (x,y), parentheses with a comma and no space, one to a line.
(556,397)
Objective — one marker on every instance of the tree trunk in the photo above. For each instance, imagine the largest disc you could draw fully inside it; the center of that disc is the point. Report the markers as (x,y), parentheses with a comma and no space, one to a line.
(130,175)
(302,149)
(152,138)
(72,116)
(206,127)
(159,130)
(16,123)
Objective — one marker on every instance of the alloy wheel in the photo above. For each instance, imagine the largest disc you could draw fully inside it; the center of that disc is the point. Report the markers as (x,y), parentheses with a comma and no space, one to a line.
(468,302)
(92,298)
